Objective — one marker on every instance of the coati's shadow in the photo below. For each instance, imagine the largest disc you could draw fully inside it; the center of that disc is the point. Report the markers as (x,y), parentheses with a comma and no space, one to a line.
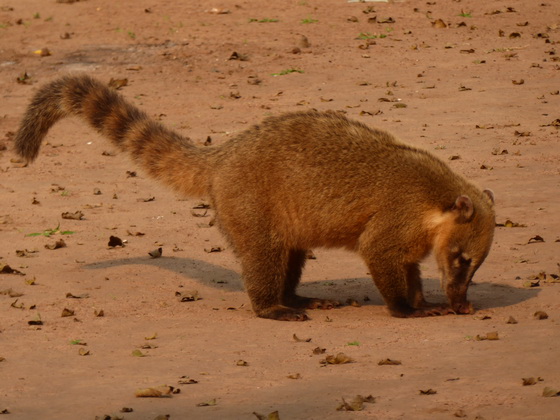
(482,295)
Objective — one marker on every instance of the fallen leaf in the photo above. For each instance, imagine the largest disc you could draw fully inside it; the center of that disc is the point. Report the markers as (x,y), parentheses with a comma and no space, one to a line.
(58,244)
(188,296)
(11,293)
(126,410)
(489,336)
(531,380)
(117,83)
(271,416)
(357,403)
(185,380)
(145,200)
(151,337)
(540,315)
(438,23)
(389,362)
(156,253)
(115,241)
(241,363)
(77,215)
(99,313)
(210,403)
(550,392)
(81,296)
(138,353)
(6,269)
(535,239)
(301,340)
(43,52)
(213,249)
(67,312)
(319,350)
(508,223)
(518,82)
(429,391)
(294,376)
(25,253)
(83,352)
(163,391)
(339,359)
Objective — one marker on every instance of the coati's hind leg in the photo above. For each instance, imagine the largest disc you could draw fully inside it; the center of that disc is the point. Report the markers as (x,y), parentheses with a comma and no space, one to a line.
(264,274)
(296,262)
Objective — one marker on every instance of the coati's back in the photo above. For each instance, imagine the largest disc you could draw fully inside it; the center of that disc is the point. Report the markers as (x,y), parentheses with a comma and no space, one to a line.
(320,178)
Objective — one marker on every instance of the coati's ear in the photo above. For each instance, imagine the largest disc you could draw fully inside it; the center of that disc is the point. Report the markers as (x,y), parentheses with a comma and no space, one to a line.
(490,194)
(463,209)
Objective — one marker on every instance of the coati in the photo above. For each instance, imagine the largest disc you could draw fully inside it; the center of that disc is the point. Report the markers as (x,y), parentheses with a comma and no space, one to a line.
(299,181)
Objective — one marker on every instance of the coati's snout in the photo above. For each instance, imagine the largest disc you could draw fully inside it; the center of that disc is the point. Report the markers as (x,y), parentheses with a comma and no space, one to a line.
(462,243)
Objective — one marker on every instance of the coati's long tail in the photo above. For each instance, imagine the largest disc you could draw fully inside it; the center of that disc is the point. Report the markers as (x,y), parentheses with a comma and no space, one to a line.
(164,154)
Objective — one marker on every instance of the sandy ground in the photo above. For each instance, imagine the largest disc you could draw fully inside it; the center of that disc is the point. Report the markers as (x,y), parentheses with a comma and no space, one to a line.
(481,92)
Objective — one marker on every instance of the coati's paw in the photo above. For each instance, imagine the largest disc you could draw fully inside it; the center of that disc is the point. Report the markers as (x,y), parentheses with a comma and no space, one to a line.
(422,312)
(463,308)
(282,313)
(312,303)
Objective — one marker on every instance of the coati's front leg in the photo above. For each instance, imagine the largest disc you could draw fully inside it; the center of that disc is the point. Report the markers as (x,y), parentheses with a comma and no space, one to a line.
(401,288)
(296,262)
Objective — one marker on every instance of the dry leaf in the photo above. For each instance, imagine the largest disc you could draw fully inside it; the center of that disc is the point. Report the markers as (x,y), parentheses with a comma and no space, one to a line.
(294,376)
(115,241)
(389,362)
(301,340)
(188,296)
(25,253)
(241,363)
(58,244)
(540,315)
(117,83)
(339,359)
(81,296)
(9,292)
(155,392)
(6,269)
(83,352)
(138,353)
(510,224)
(319,350)
(210,403)
(67,312)
(439,24)
(213,249)
(77,215)
(156,253)
(531,380)
(357,404)
(185,380)
(99,313)
(550,392)
(429,391)
(536,239)
(271,416)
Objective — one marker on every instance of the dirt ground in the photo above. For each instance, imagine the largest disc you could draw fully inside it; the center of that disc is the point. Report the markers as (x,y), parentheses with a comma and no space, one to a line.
(476,83)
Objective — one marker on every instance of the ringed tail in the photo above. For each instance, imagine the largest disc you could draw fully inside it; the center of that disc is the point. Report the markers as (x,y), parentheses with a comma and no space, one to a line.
(164,154)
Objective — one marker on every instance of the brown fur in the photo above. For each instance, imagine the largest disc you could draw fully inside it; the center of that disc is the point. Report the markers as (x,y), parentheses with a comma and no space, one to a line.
(296,182)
